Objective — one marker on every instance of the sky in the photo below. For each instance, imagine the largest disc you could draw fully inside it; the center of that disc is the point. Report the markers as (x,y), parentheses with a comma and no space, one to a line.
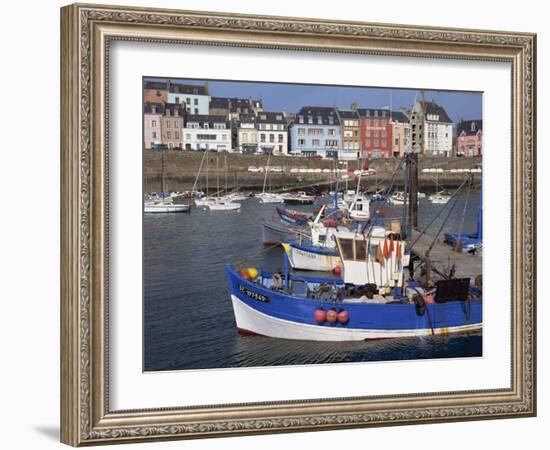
(289,97)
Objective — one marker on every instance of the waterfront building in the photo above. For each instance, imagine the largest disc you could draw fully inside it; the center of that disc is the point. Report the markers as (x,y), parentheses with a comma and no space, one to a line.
(431,129)
(207,132)
(316,131)
(155,92)
(219,106)
(272,133)
(238,106)
(247,131)
(172,125)
(469,136)
(401,133)
(195,97)
(152,132)
(376,133)
(351,133)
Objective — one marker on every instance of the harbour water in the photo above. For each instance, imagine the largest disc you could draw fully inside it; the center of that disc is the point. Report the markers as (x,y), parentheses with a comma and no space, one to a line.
(188,318)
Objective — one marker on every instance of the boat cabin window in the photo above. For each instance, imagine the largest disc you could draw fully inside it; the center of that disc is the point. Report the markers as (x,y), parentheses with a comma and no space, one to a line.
(346,247)
(353,249)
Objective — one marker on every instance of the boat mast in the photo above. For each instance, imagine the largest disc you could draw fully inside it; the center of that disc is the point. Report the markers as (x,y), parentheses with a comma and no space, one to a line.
(207,170)
(218,176)
(266,171)
(162,172)
(412,168)
(198,174)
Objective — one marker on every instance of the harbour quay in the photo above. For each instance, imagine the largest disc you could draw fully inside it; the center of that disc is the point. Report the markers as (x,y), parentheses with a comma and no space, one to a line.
(247,172)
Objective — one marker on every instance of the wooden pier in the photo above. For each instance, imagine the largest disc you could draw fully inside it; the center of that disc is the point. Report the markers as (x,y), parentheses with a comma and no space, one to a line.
(442,257)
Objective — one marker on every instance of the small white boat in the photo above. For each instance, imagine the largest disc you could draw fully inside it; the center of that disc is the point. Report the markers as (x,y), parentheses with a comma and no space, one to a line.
(222,204)
(441,198)
(267,197)
(165,207)
(236,197)
(397,198)
(360,208)
(204,201)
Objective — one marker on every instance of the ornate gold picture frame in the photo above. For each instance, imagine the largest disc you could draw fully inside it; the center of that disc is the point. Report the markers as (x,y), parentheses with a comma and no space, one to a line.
(87,31)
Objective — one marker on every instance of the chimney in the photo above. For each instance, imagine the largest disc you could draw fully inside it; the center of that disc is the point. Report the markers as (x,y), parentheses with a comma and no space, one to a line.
(168,85)
(206,87)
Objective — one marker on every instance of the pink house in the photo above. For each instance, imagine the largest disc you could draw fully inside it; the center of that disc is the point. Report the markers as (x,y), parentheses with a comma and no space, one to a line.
(152,118)
(469,137)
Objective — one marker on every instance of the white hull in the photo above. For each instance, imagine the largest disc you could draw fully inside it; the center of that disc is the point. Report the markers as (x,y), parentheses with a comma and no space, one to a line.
(252,321)
(165,208)
(303,260)
(360,216)
(204,201)
(270,198)
(439,201)
(224,206)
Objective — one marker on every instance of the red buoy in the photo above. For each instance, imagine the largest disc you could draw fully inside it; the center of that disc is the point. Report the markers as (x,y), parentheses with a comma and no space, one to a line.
(337,270)
(320,316)
(332,316)
(343,317)
(245,274)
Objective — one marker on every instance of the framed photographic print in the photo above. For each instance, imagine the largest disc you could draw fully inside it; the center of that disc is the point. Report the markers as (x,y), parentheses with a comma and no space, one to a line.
(280,224)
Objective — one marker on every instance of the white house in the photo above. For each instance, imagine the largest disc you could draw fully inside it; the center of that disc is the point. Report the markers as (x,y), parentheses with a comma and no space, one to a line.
(205,132)
(432,129)
(272,133)
(247,134)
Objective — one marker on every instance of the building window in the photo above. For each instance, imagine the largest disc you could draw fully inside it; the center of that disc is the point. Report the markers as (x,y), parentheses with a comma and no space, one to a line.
(310,119)
(262,137)
(169,135)
(281,138)
(153,123)
(196,110)
(167,124)
(154,134)
(315,142)
(195,101)
(320,120)
(245,137)
(188,100)
(375,133)
(383,133)
(177,135)
(367,142)
(376,142)
(384,143)
(176,124)
(271,137)
(301,131)
(375,122)
(301,119)
(187,136)
(177,100)
(331,132)
(224,137)
(301,142)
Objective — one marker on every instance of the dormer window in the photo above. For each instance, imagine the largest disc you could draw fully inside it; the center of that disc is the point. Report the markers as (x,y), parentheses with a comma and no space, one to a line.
(168,111)
(309,119)
(263,117)
(301,119)
(279,117)
(473,127)
(376,113)
(320,120)
(153,109)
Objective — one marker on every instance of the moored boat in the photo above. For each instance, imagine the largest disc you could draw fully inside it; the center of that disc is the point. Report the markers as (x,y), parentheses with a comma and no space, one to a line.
(275,233)
(165,207)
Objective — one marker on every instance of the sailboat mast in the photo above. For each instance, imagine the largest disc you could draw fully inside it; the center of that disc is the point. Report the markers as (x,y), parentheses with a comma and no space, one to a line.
(266,171)
(225,169)
(162,171)
(412,167)
(217,175)
(207,170)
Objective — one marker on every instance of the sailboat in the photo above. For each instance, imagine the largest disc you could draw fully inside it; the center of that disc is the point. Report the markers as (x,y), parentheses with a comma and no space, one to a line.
(222,203)
(268,197)
(440,197)
(205,200)
(163,204)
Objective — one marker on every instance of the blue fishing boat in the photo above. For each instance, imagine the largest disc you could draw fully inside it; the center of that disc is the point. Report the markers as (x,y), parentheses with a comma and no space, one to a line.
(292,217)
(372,300)
(468,242)
(370,297)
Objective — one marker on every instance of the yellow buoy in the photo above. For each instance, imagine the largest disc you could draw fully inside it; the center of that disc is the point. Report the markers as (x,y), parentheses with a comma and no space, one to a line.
(253,273)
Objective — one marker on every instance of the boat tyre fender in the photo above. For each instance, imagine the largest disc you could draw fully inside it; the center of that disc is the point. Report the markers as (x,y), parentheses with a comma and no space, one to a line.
(420,305)
(323,292)
(277,281)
